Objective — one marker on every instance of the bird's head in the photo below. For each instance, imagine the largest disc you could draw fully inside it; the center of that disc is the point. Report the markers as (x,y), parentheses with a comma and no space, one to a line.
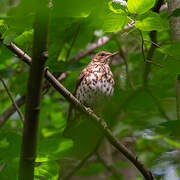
(104,57)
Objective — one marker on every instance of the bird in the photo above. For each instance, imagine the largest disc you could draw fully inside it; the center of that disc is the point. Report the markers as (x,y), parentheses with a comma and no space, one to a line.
(94,84)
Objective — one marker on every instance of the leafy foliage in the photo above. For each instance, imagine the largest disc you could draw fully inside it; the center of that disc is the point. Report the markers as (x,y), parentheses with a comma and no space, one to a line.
(146,116)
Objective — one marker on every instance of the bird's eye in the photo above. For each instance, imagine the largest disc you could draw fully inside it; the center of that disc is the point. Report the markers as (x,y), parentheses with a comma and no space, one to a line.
(102,54)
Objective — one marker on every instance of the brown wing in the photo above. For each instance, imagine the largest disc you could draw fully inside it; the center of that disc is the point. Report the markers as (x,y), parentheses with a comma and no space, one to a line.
(80,78)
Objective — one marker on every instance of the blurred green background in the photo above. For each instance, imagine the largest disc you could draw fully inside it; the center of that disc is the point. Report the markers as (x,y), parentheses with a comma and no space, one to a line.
(142,112)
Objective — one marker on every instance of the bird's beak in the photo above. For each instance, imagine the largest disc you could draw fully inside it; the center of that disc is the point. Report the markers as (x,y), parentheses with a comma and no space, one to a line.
(111,55)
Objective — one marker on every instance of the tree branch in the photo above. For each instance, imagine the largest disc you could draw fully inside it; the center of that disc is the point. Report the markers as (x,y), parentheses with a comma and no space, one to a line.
(13,102)
(100,123)
(11,110)
(178,97)
(142,50)
(122,55)
(39,56)
(21,101)
(153,36)
(100,42)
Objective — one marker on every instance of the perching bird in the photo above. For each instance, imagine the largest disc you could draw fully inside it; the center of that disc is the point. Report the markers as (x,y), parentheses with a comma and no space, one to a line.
(94,84)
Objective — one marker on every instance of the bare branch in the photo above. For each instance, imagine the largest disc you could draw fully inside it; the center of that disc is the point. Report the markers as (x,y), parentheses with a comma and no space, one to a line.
(11,110)
(100,123)
(100,42)
(13,101)
(142,49)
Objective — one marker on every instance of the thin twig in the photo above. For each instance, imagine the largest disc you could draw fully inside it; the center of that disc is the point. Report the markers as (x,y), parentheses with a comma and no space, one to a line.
(157,45)
(156,64)
(153,36)
(142,45)
(12,100)
(11,110)
(143,53)
(121,53)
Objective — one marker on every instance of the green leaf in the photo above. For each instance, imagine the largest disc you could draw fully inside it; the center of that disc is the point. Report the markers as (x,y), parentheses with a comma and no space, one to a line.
(24,38)
(172,142)
(47,170)
(52,148)
(140,6)
(116,7)
(93,168)
(114,22)
(6,72)
(71,8)
(175,13)
(172,49)
(149,21)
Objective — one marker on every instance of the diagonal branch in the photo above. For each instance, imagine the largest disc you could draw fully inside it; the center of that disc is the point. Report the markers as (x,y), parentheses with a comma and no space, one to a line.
(13,102)
(11,110)
(99,122)
(21,101)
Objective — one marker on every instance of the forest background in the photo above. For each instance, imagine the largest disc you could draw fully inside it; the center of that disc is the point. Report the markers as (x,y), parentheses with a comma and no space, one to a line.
(144,113)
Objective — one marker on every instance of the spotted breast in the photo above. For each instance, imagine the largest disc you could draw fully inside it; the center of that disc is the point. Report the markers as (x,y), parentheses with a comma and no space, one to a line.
(97,83)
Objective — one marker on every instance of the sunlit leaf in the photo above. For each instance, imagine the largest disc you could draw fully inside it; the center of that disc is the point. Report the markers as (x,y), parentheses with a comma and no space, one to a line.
(172,142)
(149,21)
(114,22)
(140,6)
(51,148)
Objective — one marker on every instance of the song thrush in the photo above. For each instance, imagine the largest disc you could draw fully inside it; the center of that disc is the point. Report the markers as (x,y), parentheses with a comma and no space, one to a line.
(95,82)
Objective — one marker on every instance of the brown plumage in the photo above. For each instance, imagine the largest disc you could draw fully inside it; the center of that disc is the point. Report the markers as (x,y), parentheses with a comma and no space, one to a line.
(94,83)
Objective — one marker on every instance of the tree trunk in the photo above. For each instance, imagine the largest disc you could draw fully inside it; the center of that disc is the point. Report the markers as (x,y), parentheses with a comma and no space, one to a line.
(39,56)
(174,21)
